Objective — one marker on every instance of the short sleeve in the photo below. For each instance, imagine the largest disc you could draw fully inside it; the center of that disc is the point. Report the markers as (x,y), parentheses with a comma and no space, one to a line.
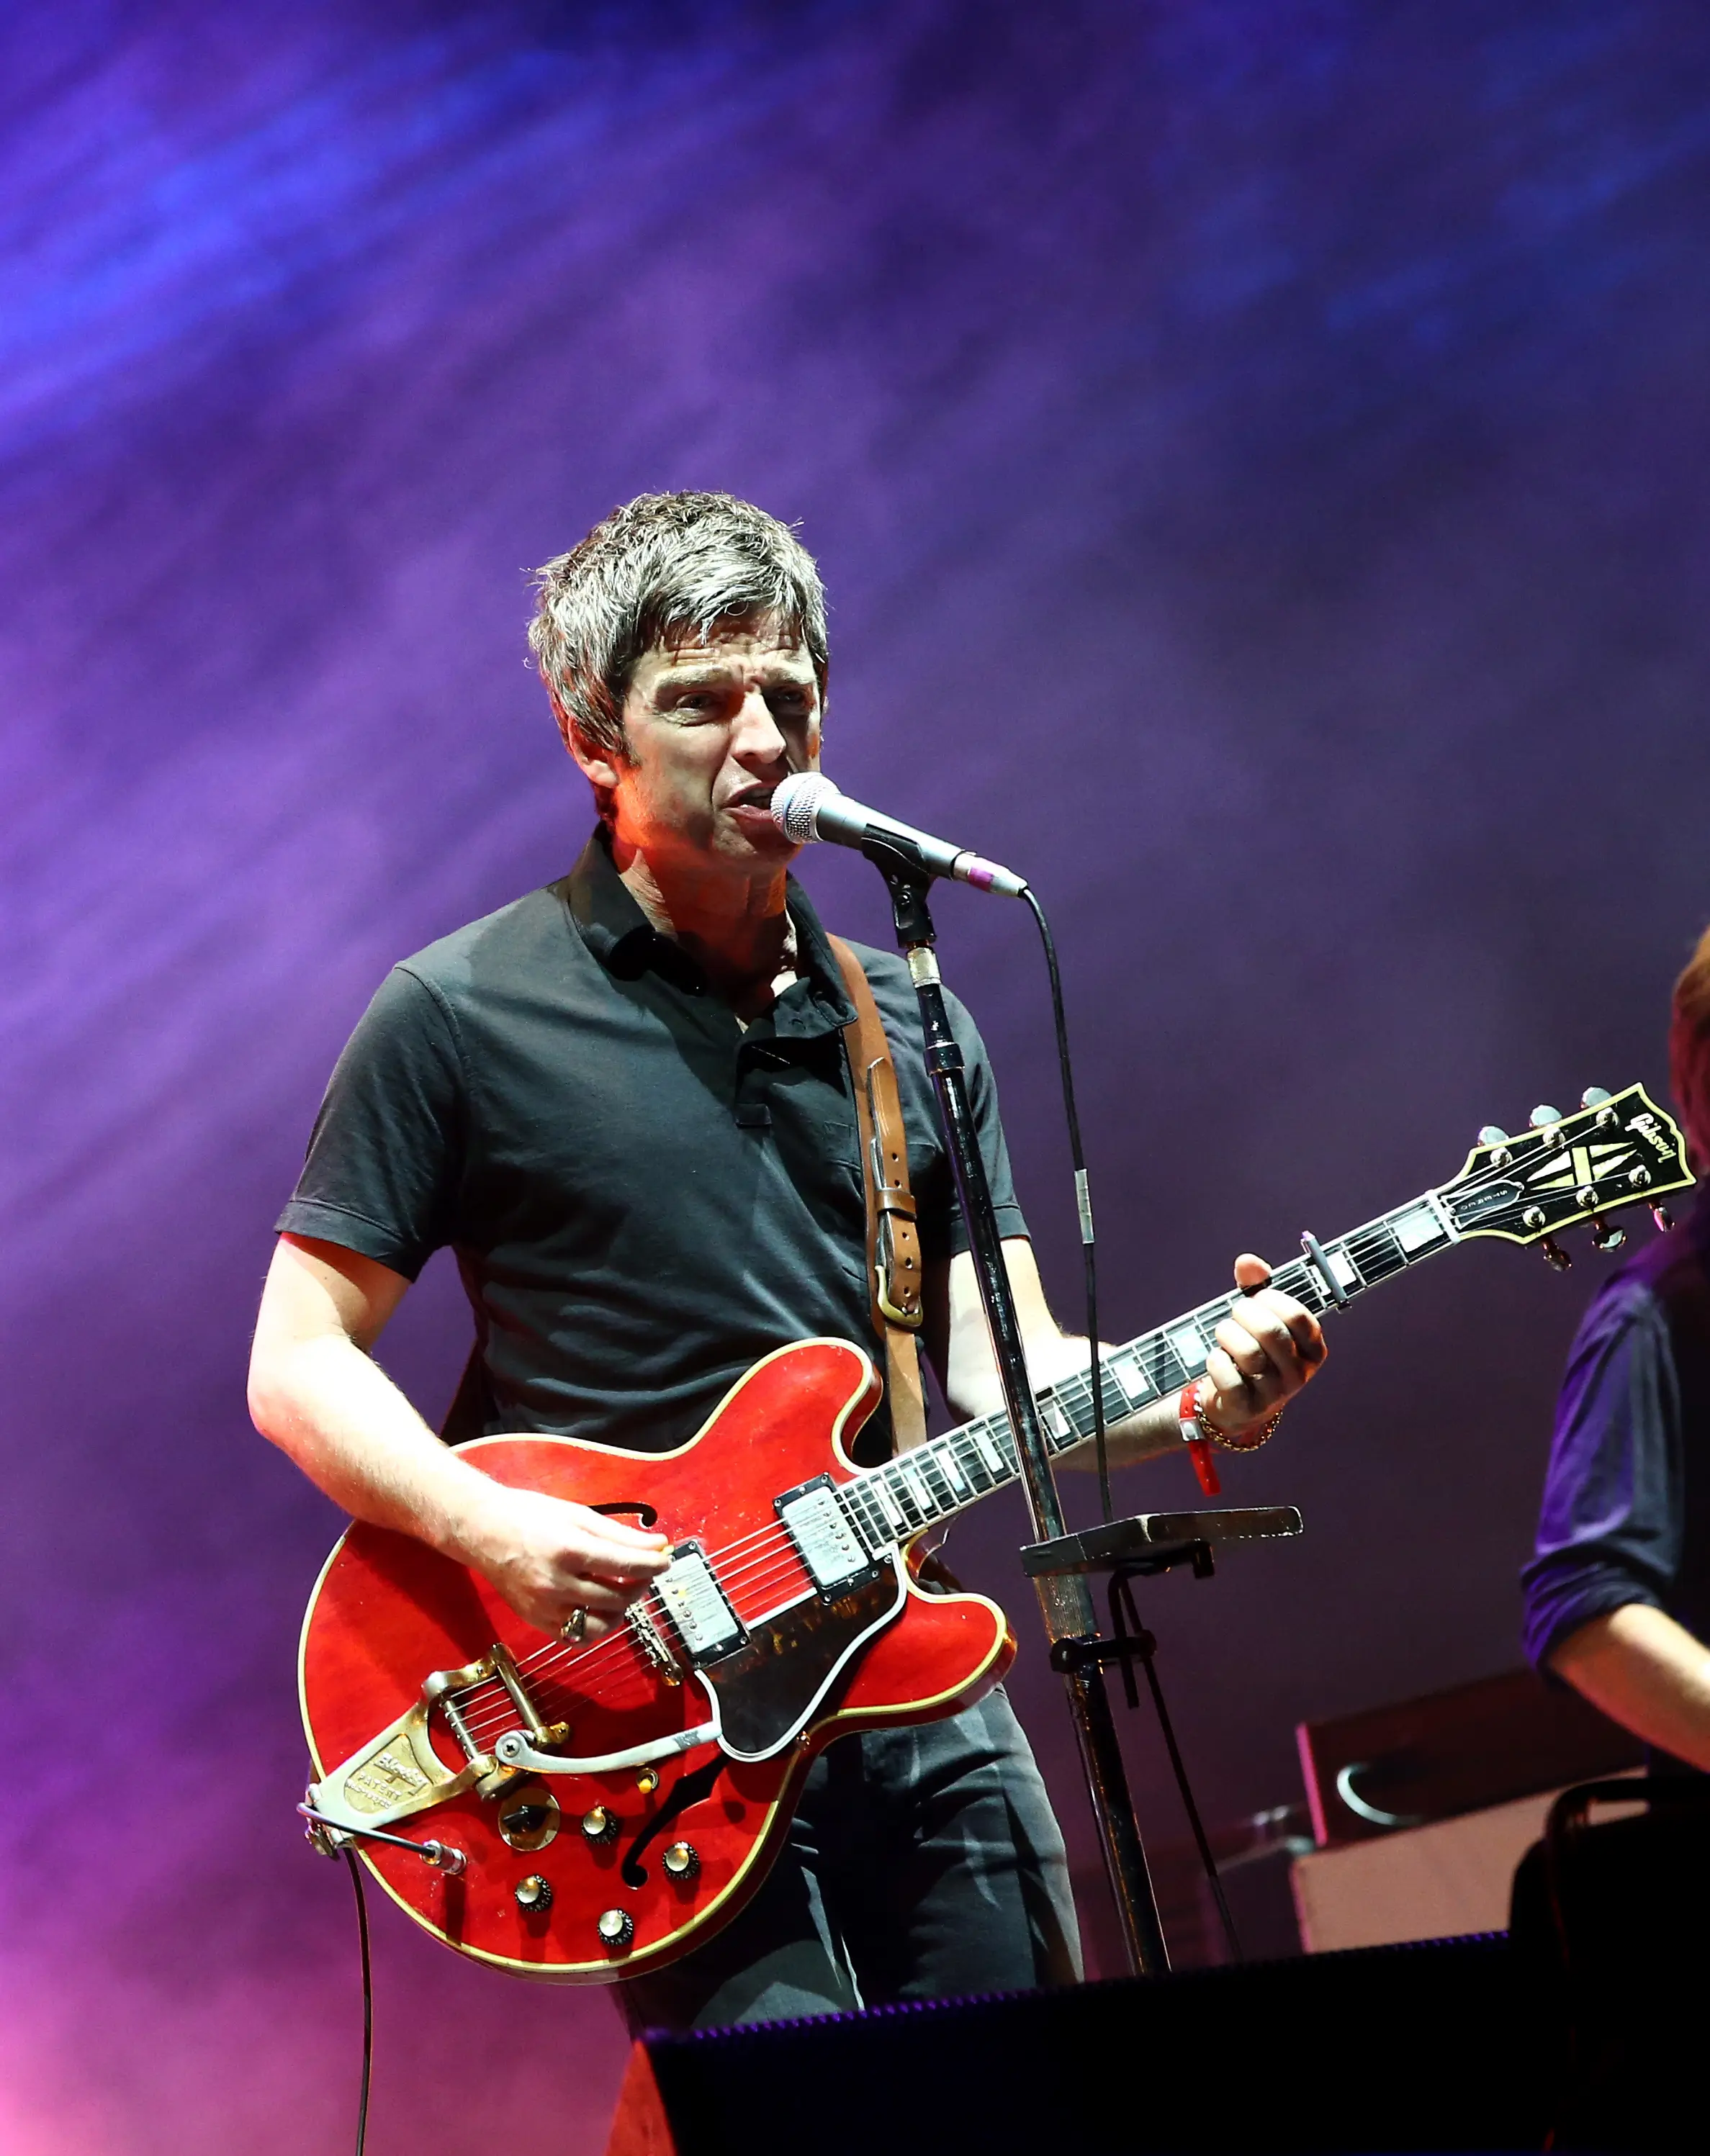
(951,1236)
(384,1165)
(1611,1527)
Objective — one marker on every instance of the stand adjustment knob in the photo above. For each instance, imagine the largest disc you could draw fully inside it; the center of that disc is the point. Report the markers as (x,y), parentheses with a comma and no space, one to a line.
(616,1927)
(681,1860)
(534,1895)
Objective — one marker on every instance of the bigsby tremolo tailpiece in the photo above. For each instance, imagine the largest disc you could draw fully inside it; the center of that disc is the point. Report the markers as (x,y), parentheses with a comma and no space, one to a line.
(397,1774)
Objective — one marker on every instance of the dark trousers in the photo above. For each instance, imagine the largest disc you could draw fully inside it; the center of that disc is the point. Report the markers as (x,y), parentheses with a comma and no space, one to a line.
(922,1863)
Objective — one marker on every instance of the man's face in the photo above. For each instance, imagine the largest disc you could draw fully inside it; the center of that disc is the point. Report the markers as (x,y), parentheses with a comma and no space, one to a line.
(713,724)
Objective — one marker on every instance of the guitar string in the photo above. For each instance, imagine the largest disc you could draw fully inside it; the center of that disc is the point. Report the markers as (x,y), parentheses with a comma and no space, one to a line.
(552,1659)
(553,1663)
(762,1573)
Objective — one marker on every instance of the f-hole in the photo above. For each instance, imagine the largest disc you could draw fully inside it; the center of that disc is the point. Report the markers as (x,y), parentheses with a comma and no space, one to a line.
(688,1790)
(645,1513)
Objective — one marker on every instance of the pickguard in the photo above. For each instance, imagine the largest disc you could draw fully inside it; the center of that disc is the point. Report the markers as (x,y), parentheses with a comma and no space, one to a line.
(766,1691)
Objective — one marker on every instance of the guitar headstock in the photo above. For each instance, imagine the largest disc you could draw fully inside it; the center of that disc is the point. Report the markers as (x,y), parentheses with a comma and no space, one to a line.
(1617,1149)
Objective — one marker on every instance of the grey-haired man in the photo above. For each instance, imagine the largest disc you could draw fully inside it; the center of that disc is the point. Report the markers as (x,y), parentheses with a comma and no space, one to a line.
(623,1101)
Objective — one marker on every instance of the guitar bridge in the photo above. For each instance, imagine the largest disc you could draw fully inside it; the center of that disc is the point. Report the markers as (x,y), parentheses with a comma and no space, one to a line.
(651,1641)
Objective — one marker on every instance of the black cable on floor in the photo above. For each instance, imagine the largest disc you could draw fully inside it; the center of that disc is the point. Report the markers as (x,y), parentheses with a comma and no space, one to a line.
(1083,1201)
(350,1858)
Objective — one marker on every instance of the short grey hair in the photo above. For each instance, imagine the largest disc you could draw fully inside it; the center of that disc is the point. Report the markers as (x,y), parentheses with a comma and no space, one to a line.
(663,564)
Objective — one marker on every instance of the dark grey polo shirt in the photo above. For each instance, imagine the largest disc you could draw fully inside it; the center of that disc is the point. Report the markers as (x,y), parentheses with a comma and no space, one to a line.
(643,1198)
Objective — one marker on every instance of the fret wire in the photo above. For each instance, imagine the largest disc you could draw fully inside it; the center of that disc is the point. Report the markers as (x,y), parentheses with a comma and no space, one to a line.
(1375,1251)
(929,1467)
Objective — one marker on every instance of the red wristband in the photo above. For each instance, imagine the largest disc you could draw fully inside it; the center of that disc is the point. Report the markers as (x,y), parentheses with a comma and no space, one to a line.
(1193,1437)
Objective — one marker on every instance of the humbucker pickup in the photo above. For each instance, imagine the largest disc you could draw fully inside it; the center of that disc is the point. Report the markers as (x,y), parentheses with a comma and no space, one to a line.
(697,1605)
(823,1534)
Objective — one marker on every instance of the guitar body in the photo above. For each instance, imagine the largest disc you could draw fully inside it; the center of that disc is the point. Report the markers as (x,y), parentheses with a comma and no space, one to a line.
(389,1617)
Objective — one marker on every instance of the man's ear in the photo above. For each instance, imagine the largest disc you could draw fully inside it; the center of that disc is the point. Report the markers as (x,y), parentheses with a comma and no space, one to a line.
(595,764)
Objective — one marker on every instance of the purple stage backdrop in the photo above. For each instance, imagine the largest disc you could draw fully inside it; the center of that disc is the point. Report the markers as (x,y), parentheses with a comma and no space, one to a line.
(1257,449)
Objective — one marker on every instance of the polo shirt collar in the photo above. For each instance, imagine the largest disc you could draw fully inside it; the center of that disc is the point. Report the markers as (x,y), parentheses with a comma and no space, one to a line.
(620,935)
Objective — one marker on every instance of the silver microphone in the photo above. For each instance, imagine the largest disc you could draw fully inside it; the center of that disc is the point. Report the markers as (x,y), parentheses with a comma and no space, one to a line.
(808,805)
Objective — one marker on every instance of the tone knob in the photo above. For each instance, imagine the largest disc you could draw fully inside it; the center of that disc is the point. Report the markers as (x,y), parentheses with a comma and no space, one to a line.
(681,1860)
(616,1927)
(534,1895)
(600,1825)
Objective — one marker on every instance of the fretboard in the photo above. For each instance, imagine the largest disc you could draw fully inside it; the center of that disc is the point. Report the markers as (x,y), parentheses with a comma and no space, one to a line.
(891,1503)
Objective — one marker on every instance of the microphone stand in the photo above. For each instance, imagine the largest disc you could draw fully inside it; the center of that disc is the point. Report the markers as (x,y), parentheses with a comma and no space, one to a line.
(1065,1599)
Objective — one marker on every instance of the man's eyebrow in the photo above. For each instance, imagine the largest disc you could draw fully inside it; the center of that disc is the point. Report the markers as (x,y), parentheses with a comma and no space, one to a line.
(717,677)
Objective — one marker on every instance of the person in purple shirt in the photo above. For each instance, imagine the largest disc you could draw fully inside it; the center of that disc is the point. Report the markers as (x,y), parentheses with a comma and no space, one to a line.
(1618,1594)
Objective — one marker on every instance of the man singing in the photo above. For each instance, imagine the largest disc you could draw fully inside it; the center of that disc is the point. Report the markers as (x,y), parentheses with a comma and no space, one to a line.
(624,1101)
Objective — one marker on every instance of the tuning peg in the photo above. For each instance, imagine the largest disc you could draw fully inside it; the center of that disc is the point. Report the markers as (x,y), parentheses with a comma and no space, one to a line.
(1492,1134)
(1594,1096)
(1542,1115)
(1663,1217)
(1604,1236)
(1555,1256)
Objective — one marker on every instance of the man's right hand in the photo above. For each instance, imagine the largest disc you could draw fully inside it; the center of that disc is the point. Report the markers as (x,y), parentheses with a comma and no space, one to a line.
(549,1558)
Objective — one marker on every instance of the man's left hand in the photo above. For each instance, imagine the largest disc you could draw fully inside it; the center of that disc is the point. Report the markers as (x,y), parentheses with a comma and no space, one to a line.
(1267,1348)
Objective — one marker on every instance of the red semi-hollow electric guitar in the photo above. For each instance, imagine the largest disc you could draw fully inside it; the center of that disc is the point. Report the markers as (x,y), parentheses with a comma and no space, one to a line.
(586,1812)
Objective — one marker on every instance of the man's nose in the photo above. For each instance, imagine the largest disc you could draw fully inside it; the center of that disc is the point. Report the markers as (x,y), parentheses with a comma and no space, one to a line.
(758,736)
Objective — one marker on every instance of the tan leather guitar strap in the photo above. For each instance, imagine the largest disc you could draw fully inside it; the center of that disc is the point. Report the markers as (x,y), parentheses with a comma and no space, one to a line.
(895,1273)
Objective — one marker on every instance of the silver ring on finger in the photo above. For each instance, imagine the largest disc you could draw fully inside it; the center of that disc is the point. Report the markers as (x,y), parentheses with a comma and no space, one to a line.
(574,1629)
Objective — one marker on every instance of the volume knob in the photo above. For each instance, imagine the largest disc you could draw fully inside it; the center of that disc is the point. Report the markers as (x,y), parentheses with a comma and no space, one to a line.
(616,1927)
(534,1895)
(681,1860)
(599,1825)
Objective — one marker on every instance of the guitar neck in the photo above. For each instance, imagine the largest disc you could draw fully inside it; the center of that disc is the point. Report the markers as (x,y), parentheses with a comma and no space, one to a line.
(949,1473)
